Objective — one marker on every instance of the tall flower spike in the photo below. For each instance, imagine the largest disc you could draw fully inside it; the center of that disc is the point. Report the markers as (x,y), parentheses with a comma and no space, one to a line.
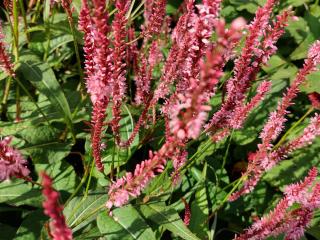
(147,64)
(97,67)
(276,120)
(264,159)
(5,61)
(241,112)
(52,208)
(155,17)
(188,112)
(12,163)
(119,67)
(287,220)
(255,53)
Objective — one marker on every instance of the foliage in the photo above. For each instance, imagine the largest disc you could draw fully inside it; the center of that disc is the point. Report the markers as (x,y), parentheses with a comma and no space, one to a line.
(47,110)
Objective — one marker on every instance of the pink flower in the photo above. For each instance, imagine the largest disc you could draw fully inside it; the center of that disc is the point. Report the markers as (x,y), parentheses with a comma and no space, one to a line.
(98,116)
(98,69)
(52,208)
(241,112)
(119,67)
(285,219)
(12,163)
(188,110)
(155,17)
(264,159)
(132,184)
(97,51)
(255,53)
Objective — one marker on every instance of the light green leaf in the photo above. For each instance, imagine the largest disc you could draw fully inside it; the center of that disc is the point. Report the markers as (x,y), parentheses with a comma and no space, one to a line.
(126,223)
(43,144)
(81,211)
(17,193)
(168,218)
(43,78)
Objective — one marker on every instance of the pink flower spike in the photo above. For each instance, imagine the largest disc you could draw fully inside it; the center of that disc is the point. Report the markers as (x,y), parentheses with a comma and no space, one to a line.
(12,163)
(255,53)
(119,67)
(265,158)
(132,184)
(52,208)
(155,17)
(284,219)
(241,112)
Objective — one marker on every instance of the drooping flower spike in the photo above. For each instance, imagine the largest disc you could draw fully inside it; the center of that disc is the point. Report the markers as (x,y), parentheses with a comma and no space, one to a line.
(265,158)
(255,53)
(284,219)
(58,227)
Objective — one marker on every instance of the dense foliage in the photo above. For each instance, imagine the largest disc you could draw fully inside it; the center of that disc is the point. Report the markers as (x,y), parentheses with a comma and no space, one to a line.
(131,120)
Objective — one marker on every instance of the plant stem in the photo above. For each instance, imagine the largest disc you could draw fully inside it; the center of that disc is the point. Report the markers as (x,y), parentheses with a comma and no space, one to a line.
(18,106)
(76,49)
(5,96)
(23,12)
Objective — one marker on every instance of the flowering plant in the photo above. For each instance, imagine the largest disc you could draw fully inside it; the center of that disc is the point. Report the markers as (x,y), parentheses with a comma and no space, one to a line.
(159,119)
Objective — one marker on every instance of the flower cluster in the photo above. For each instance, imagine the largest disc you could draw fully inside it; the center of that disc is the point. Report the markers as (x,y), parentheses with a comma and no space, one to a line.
(12,163)
(286,219)
(259,47)
(98,67)
(265,158)
(188,112)
(133,183)
(52,208)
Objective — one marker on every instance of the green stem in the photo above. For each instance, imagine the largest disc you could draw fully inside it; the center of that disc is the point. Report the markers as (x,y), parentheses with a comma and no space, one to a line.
(83,180)
(235,187)
(25,22)
(190,162)
(15,30)
(283,138)
(5,95)
(89,181)
(18,106)
(76,48)
(30,96)
(37,11)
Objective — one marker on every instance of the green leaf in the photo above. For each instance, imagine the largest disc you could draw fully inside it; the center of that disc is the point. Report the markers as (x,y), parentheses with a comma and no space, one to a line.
(126,223)
(31,226)
(168,218)
(312,84)
(273,64)
(81,211)
(199,214)
(246,136)
(43,78)
(298,29)
(302,50)
(17,193)
(43,144)
(63,175)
